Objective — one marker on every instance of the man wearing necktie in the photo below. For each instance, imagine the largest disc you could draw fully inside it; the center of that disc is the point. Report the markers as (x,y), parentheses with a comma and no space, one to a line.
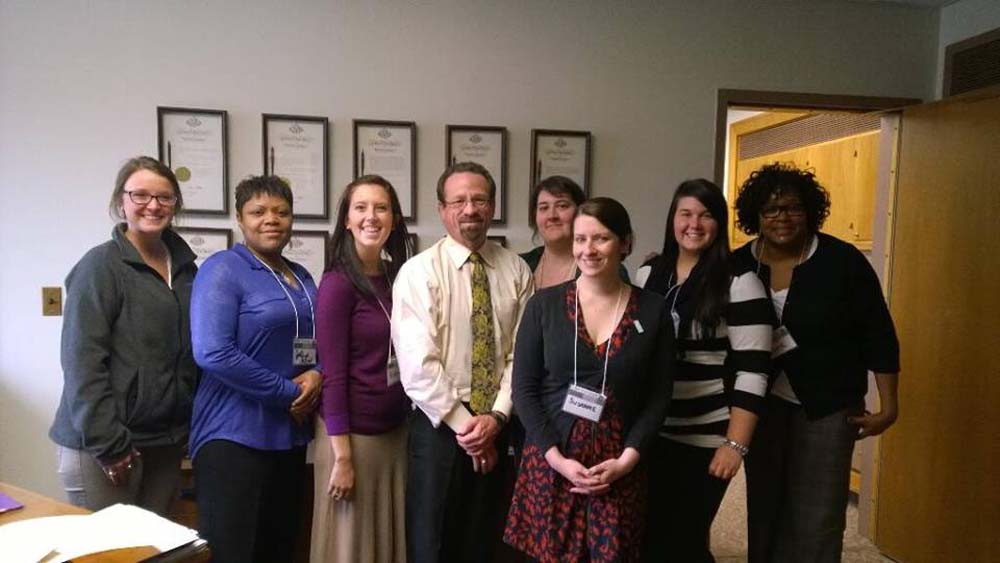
(456,307)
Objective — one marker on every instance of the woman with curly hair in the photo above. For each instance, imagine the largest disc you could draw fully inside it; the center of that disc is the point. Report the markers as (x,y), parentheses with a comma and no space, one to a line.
(834,327)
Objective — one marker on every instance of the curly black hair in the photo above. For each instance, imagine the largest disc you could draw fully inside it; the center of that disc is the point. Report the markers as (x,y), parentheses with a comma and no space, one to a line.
(775,180)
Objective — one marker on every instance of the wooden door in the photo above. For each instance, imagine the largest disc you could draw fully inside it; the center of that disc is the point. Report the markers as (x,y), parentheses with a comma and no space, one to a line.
(939,480)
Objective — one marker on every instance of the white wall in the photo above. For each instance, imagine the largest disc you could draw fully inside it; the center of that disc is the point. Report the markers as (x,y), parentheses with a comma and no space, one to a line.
(962,20)
(79,83)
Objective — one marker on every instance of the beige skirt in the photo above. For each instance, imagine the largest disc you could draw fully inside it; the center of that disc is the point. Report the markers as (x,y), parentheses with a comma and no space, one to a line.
(370,527)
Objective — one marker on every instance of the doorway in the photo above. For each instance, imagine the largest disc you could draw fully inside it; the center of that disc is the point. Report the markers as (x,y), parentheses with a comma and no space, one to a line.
(850,144)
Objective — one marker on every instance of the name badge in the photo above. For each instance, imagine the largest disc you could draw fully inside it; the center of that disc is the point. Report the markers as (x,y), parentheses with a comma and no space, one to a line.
(391,371)
(584,403)
(304,352)
(782,342)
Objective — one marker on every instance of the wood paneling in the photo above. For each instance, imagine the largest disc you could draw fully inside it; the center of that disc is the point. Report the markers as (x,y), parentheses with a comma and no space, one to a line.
(845,167)
(939,493)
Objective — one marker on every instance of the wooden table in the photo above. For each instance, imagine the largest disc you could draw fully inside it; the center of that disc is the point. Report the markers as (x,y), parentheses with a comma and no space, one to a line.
(37,506)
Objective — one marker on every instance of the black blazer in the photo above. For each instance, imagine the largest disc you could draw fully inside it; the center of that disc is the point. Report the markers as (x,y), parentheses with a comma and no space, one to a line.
(640,373)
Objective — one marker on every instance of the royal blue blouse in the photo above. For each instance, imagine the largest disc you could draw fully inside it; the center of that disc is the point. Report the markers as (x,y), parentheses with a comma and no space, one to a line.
(242,328)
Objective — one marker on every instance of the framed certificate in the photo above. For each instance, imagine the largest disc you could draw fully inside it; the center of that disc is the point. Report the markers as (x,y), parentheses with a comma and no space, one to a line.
(310,249)
(389,149)
(561,153)
(205,241)
(192,143)
(295,148)
(482,145)
(499,239)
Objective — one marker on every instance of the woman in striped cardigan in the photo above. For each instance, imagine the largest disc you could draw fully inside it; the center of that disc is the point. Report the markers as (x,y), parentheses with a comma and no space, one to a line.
(723,321)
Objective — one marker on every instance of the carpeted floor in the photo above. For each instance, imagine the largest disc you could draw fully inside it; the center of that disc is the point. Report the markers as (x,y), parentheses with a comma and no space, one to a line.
(729,533)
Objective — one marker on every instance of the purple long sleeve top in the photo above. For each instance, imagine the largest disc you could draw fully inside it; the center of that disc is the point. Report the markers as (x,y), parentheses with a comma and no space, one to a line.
(352,334)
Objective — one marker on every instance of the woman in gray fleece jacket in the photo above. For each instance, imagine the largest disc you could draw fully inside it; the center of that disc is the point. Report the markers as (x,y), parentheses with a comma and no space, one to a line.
(129,375)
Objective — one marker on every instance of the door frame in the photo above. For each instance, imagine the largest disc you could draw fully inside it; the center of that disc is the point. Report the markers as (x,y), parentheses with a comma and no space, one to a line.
(764,99)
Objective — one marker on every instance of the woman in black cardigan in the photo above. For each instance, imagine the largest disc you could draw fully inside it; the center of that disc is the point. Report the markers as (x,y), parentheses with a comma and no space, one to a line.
(593,367)
(834,328)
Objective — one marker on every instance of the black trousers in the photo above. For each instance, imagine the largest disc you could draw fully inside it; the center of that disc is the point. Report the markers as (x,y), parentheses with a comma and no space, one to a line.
(452,513)
(683,501)
(249,501)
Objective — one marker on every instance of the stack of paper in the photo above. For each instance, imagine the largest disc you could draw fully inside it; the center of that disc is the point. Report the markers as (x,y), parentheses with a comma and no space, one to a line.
(61,538)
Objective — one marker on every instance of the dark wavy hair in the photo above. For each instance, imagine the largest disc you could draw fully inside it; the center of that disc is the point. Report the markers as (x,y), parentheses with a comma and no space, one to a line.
(133,165)
(555,185)
(344,255)
(613,215)
(776,180)
(253,186)
(711,295)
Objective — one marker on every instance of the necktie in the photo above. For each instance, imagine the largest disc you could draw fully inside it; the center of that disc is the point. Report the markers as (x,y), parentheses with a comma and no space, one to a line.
(485,382)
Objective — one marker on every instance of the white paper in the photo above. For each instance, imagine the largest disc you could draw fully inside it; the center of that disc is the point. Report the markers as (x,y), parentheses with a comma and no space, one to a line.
(388,152)
(309,251)
(296,154)
(485,148)
(69,537)
(562,156)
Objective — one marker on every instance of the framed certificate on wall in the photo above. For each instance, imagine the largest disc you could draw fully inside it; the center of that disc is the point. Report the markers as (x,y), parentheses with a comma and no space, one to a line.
(295,148)
(309,248)
(389,149)
(205,241)
(486,146)
(192,143)
(561,153)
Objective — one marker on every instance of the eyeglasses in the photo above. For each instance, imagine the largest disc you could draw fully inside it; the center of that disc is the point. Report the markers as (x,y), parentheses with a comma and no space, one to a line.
(791,210)
(477,202)
(142,198)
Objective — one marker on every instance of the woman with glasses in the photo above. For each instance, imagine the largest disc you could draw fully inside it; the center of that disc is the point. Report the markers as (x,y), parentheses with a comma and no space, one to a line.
(834,327)
(591,381)
(253,332)
(129,376)
(723,321)
(360,470)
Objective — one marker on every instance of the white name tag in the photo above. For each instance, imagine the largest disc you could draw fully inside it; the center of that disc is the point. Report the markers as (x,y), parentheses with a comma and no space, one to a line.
(584,403)
(782,342)
(391,371)
(303,352)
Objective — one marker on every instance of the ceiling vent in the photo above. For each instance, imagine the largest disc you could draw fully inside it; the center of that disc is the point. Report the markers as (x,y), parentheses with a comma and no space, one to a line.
(972,64)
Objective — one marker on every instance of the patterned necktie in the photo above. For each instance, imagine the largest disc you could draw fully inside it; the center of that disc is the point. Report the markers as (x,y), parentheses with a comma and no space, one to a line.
(485,382)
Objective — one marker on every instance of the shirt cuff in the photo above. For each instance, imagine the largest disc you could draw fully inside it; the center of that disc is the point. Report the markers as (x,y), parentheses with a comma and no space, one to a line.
(504,404)
(457,417)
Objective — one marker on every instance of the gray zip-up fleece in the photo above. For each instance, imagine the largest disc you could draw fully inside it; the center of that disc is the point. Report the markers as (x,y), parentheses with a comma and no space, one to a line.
(129,375)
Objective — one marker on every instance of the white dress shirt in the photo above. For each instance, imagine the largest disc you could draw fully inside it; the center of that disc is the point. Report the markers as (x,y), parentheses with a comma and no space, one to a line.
(432,330)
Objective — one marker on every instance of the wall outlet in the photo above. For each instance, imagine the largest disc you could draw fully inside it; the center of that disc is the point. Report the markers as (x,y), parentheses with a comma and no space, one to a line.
(51,301)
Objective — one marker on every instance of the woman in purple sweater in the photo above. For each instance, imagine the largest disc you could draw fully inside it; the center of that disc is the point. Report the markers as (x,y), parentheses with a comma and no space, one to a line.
(360,467)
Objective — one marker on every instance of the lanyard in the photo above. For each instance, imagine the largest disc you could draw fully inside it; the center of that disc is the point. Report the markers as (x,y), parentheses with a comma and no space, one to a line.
(312,313)
(388,319)
(576,333)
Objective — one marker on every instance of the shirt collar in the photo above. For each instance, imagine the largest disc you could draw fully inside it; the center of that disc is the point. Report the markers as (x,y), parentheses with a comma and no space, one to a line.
(459,253)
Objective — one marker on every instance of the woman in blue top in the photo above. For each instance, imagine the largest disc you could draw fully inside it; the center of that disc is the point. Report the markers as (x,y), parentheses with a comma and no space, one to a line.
(253,336)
